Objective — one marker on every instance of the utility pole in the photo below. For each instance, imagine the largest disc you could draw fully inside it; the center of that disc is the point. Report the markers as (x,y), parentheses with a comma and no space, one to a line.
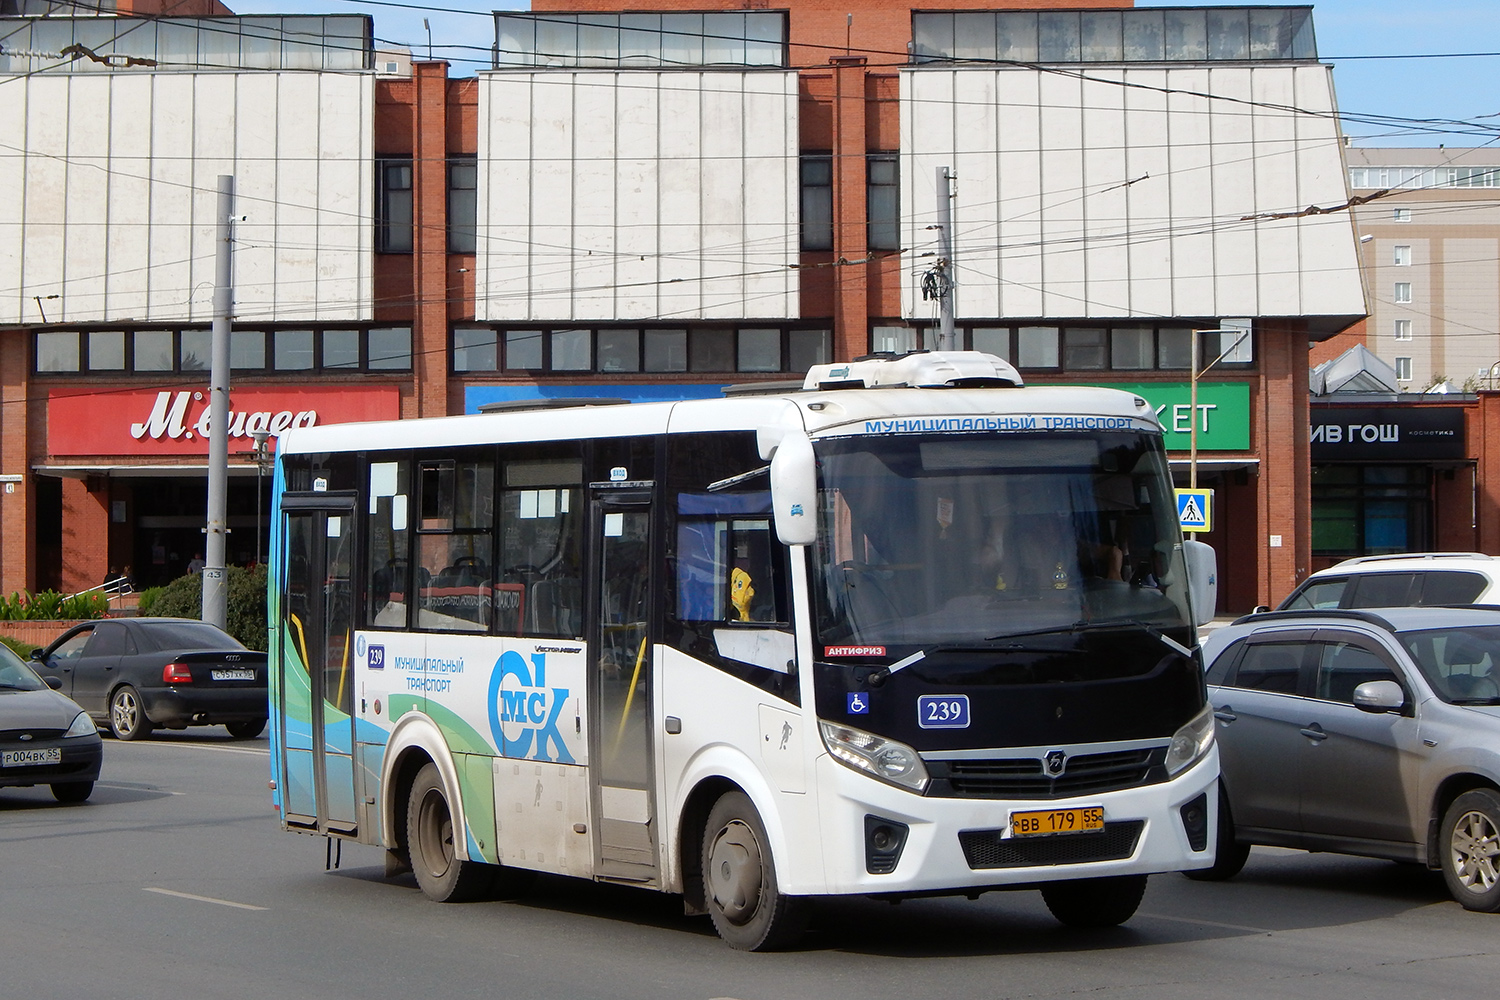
(946,341)
(215,584)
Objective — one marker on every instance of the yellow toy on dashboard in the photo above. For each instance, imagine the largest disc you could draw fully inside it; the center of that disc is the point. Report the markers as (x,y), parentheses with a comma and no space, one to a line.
(741,593)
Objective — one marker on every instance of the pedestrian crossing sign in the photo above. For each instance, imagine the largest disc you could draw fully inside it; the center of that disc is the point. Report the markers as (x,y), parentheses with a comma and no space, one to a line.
(1195,509)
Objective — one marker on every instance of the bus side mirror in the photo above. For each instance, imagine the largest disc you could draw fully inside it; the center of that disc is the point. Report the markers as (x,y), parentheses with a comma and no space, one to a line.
(1203,579)
(794,490)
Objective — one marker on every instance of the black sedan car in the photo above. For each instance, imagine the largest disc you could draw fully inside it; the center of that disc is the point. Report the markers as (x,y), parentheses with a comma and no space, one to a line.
(45,739)
(134,674)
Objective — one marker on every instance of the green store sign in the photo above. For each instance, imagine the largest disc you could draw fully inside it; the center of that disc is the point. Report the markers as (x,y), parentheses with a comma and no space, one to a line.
(1223,413)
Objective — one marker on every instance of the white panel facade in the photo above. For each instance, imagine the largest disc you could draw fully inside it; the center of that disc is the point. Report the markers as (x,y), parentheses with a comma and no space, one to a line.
(115,176)
(617,196)
(1131,192)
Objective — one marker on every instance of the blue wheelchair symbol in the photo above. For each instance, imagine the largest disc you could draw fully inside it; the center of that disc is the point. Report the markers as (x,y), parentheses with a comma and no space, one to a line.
(859,703)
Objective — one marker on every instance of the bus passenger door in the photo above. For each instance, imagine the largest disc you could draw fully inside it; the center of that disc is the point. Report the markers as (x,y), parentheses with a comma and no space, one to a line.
(317,680)
(620,678)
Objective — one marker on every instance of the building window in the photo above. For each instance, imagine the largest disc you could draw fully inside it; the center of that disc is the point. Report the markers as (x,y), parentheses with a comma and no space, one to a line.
(523,350)
(1036,347)
(1131,347)
(817,202)
(1403,329)
(1083,349)
(154,352)
(1360,510)
(806,348)
(619,350)
(893,339)
(1401,256)
(393,223)
(992,340)
(666,350)
(1403,369)
(1401,215)
(883,201)
(463,190)
(389,348)
(1402,292)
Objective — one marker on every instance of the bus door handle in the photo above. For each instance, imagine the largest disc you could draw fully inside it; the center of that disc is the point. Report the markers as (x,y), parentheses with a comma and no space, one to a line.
(674,725)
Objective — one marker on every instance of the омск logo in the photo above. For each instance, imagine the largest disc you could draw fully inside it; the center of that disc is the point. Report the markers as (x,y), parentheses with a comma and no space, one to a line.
(524,711)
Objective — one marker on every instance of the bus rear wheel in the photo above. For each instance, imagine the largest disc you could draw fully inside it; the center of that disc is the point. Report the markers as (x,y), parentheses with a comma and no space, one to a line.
(442,875)
(739,877)
(1095,902)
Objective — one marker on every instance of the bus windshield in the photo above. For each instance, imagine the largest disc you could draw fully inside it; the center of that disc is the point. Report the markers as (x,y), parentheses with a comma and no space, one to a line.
(949,539)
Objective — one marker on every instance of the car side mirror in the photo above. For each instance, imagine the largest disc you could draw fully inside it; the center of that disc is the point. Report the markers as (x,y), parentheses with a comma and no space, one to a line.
(1260,609)
(38,654)
(1379,696)
(53,681)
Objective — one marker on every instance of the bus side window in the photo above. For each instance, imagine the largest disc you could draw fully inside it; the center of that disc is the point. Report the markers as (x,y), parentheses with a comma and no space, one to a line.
(539,588)
(455,544)
(725,566)
(388,544)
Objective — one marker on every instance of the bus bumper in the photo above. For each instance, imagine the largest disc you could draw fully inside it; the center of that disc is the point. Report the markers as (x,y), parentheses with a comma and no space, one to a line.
(879,839)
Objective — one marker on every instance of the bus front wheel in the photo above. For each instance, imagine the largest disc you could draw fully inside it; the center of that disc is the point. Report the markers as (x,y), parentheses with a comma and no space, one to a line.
(739,876)
(442,875)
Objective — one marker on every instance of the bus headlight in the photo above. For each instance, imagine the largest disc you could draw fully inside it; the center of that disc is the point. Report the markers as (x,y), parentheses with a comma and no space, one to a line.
(1191,742)
(874,755)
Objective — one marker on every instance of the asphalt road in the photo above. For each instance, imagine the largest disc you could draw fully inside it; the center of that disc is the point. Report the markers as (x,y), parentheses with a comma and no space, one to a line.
(174,881)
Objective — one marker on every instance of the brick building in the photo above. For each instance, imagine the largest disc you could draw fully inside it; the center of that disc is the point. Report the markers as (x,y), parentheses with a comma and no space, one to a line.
(650,204)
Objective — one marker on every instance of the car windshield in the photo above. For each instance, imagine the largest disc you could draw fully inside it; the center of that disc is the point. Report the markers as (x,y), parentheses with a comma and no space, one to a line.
(946,539)
(188,635)
(1460,664)
(16,675)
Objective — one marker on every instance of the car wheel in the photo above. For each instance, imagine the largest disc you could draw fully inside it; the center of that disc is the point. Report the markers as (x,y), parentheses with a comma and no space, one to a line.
(442,875)
(127,719)
(1470,847)
(739,879)
(1095,902)
(246,730)
(1229,856)
(72,791)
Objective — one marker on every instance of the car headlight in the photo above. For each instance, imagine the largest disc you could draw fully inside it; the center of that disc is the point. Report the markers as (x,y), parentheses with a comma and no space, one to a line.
(874,755)
(82,726)
(1191,742)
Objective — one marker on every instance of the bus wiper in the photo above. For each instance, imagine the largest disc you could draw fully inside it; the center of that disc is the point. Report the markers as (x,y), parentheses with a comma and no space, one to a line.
(724,484)
(1085,626)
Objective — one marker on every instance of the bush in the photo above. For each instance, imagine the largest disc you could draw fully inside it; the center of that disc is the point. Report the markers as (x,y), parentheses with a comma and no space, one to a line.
(49,605)
(148,600)
(246,610)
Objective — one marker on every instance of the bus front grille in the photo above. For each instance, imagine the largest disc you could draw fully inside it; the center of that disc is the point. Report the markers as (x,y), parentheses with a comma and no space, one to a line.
(989,849)
(1027,777)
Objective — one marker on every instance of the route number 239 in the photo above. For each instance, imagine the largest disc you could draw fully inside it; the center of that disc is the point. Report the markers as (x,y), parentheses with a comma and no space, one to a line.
(943,711)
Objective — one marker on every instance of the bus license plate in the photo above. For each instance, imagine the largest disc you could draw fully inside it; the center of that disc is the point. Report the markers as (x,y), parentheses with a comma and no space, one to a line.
(232,675)
(1042,822)
(23,758)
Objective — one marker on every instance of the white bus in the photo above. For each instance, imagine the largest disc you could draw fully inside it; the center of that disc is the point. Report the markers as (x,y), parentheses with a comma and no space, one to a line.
(909,630)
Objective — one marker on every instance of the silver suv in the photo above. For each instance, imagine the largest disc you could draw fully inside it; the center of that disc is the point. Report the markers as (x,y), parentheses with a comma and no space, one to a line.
(1399,581)
(1362,733)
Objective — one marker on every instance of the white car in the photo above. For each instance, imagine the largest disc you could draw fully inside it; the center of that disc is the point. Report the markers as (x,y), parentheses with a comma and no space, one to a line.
(1398,581)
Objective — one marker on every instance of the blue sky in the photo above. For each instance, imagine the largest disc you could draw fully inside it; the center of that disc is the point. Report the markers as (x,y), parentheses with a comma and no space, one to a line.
(1452,87)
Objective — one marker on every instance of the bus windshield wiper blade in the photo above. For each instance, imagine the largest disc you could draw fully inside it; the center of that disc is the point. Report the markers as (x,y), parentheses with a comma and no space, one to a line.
(1086,626)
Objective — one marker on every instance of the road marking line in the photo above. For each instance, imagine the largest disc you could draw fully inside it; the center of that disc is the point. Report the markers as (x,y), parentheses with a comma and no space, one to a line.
(137,787)
(1207,923)
(194,746)
(203,899)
